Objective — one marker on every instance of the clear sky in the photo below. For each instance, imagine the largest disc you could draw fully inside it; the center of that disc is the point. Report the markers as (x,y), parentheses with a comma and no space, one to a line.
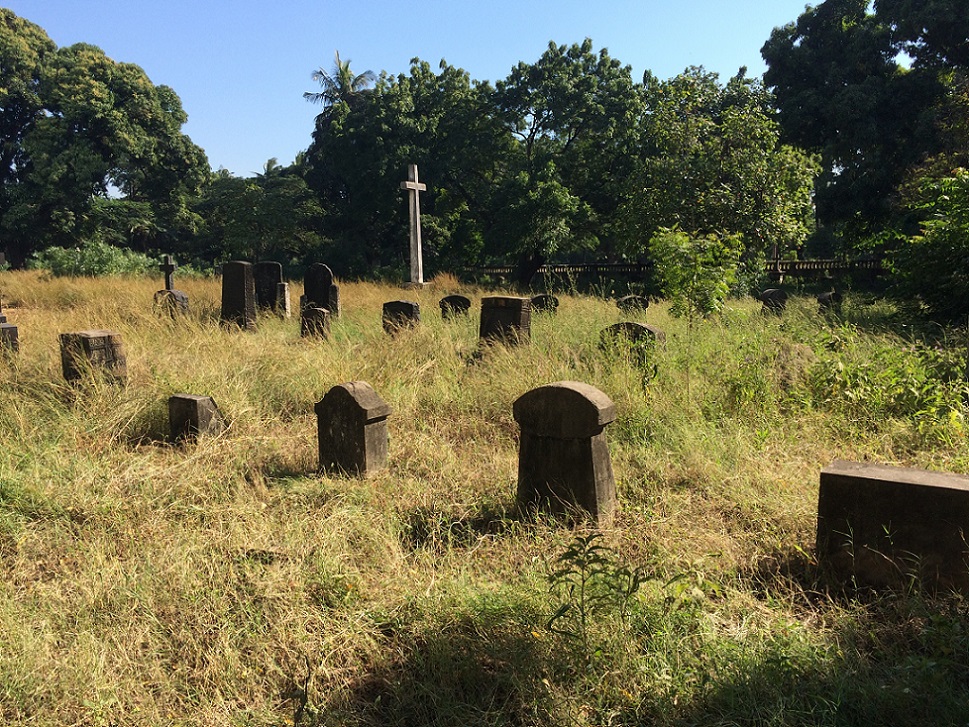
(241,66)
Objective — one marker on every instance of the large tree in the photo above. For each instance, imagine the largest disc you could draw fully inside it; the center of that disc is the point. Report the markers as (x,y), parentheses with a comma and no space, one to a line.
(86,132)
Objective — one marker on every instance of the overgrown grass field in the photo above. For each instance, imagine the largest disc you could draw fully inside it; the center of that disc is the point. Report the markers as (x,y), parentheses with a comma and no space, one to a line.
(225,582)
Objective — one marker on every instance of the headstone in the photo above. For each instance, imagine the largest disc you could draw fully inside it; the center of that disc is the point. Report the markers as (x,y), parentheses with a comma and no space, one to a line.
(882,526)
(97,351)
(545,303)
(190,415)
(282,300)
(629,303)
(399,314)
(414,188)
(319,290)
(563,461)
(453,306)
(169,300)
(239,295)
(3,317)
(633,334)
(774,300)
(267,276)
(314,322)
(9,337)
(830,302)
(352,429)
(505,319)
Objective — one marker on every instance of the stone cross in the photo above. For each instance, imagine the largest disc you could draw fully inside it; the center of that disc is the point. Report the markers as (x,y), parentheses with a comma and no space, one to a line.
(413,188)
(168,267)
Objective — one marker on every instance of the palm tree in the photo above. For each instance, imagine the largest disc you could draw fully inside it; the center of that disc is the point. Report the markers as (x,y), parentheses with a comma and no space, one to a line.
(340,85)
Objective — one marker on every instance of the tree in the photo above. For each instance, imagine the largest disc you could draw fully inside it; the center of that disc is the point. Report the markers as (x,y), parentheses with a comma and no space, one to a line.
(86,134)
(340,85)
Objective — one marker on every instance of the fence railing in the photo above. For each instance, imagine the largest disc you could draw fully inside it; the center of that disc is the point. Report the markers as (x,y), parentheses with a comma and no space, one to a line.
(774,267)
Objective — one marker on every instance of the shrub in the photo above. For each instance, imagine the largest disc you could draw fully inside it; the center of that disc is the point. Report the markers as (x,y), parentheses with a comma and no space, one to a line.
(92,259)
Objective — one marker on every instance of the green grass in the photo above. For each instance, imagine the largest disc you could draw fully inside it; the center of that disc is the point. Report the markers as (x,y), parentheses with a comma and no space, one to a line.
(224,582)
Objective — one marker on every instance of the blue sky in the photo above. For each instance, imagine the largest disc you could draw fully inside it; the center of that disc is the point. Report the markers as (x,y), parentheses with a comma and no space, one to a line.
(241,66)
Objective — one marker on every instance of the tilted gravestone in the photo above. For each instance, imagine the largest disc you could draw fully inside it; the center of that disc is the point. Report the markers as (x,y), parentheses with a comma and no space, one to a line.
(774,300)
(545,303)
(882,526)
(505,319)
(563,461)
(239,295)
(453,306)
(630,303)
(169,300)
(95,351)
(398,314)
(352,429)
(314,322)
(190,416)
(267,276)
(319,290)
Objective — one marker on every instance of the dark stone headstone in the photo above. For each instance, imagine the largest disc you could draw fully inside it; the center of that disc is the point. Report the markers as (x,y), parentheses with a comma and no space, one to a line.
(632,334)
(171,302)
(629,303)
(267,275)
(506,319)
(774,300)
(352,429)
(95,351)
(830,302)
(190,415)
(881,526)
(453,306)
(545,303)
(563,461)
(399,314)
(239,295)
(314,322)
(319,290)
(9,337)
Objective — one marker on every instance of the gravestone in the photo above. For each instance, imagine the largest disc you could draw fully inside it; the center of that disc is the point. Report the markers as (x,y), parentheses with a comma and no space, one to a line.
(505,319)
(267,276)
(9,337)
(630,303)
(399,314)
(829,302)
(97,351)
(352,429)
(545,303)
(173,302)
(3,317)
(282,300)
(882,526)
(631,334)
(774,300)
(190,415)
(414,188)
(314,322)
(239,295)
(563,462)
(319,290)
(453,306)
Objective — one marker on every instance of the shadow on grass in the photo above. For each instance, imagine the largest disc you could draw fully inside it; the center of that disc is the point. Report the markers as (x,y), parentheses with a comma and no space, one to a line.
(436,529)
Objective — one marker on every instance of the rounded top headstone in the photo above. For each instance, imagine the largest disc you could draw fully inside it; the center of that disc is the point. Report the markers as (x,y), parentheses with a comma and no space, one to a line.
(564,410)
(354,396)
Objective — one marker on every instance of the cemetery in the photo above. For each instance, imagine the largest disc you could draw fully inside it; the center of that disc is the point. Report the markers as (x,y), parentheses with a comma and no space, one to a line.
(214,513)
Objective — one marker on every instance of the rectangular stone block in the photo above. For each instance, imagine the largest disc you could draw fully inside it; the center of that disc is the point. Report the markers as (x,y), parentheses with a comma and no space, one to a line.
(506,319)
(9,337)
(239,294)
(190,415)
(97,351)
(882,526)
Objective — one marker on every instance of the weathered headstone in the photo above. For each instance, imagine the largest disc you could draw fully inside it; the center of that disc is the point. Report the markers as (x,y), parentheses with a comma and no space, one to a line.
(505,319)
(830,302)
(774,300)
(319,290)
(632,334)
(414,188)
(453,306)
(630,303)
(352,429)
(314,322)
(9,337)
(267,276)
(3,317)
(169,300)
(282,300)
(190,415)
(96,351)
(239,295)
(882,526)
(563,461)
(545,303)
(399,314)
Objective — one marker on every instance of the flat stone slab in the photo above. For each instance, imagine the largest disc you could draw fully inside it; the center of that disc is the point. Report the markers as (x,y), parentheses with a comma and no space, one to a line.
(882,526)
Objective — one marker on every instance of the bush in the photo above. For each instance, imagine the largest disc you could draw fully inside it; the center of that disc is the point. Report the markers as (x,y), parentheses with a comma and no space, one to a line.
(92,259)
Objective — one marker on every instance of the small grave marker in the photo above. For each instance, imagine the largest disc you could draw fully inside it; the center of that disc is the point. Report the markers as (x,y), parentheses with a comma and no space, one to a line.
(190,416)
(314,322)
(774,300)
(630,303)
(399,314)
(829,302)
(563,461)
(9,337)
(453,306)
(97,351)
(505,319)
(352,429)
(170,300)
(239,295)
(545,303)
